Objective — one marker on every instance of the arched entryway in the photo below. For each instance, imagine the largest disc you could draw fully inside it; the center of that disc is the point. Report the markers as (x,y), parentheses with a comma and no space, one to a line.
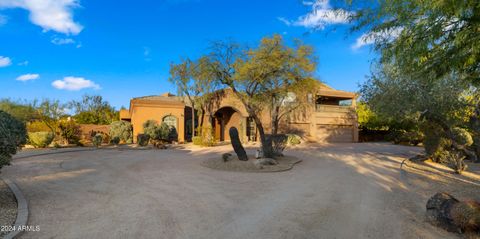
(225,118)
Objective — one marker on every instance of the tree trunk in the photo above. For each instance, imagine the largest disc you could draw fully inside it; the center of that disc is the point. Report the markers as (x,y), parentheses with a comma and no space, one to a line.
(266,143)
(193,120)
(275,120)
(202,118)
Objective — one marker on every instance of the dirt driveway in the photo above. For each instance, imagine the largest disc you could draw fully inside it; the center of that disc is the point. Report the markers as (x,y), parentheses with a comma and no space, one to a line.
(338,191)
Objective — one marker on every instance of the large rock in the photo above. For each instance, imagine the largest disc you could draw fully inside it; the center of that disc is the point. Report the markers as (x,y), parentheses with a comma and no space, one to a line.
(259,163)
(237,144)
(445,211)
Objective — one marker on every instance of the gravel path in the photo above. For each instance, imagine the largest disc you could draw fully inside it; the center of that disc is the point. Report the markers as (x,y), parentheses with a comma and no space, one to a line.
(8,207)
(337,191)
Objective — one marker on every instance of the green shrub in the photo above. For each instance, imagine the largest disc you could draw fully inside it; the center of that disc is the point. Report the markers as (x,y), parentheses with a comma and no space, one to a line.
(172,134)
(160,132)
(396,136)
(143,139)
(115,140)
(123,130)
(37,126)
(462,137)
(13,135)
(293,139)
(412,137)
(40,139)
(97,140)
(434,138)
(197,140)
(70,131)
(149,128)
(279,143)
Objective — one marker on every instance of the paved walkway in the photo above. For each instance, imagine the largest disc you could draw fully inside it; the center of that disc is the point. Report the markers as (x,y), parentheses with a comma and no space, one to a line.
(338,191)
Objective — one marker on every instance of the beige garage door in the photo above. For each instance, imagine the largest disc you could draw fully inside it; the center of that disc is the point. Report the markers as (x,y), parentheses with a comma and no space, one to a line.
(333,133)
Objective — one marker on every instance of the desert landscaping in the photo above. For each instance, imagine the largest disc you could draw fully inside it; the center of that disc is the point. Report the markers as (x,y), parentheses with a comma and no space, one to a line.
(338,190)
(247,119)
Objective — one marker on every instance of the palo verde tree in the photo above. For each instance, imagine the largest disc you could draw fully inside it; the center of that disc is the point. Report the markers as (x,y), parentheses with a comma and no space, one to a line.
(50,112)
(181,75)
(262,77)
(194,81)
(92,109)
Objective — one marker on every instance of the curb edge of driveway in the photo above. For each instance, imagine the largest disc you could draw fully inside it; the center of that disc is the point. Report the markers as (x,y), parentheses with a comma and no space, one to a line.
(22,209)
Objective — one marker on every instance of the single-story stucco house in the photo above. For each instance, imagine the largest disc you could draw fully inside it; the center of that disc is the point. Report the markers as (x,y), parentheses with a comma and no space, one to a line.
(329,116)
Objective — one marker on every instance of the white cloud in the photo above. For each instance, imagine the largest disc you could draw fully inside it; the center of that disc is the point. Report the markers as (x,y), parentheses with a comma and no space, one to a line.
(370,37)
(321,15)
(74,83)
(62,41)
(53,15)
(5,61)
(28,77)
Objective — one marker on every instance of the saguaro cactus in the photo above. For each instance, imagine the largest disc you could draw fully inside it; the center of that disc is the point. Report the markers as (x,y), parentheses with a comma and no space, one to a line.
(237,144)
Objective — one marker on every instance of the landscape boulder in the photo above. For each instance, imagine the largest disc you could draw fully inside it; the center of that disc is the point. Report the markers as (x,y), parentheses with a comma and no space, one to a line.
(447,212)
(227,157)
(259,163)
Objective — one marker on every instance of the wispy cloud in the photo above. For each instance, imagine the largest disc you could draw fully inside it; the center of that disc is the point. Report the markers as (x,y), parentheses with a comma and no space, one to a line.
(320,16)
(5,61)
(146,53)
(28,77)
(23,63)
(55,15)
(371,37)
(62,41)
(3,19)
(72,83)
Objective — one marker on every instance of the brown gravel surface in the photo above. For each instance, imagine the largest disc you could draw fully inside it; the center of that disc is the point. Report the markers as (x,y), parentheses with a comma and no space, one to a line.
(284,163)
(337,191)
(8,207)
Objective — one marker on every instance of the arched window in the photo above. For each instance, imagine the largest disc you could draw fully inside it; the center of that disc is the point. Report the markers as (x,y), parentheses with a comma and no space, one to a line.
(170,120)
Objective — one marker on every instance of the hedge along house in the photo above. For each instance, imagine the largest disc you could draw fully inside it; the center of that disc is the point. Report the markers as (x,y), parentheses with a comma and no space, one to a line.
(329,116)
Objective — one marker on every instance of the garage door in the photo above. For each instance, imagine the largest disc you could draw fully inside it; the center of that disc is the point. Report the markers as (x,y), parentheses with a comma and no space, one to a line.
(333,133)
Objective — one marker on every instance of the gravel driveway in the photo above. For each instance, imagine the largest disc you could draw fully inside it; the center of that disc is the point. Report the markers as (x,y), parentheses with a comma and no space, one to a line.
(338,191)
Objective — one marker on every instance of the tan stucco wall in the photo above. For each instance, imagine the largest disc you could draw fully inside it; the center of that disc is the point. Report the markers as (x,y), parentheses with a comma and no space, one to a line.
(329,123)
(140,113)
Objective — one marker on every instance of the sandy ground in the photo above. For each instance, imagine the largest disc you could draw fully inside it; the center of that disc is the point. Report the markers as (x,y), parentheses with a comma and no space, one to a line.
(8,208)
(338,191)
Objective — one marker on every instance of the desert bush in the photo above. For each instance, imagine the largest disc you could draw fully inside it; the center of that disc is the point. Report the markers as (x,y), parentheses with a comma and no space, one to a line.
(143,139)
(279,143)
(396,136)
(70,132)
(160,132)
(293,139)
(40,139)
(37,126)
(197,140)
(462,137)
(149,127)
(115,140)
(123,130)
(413,137)
(207,136)
(97,140)
(172,134)
(12,137)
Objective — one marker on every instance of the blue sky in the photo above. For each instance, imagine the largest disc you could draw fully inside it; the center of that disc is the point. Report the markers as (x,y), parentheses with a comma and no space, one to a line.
(63,49)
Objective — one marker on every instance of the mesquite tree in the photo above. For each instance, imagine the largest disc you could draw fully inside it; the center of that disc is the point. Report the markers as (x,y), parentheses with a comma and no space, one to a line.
(264,77)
